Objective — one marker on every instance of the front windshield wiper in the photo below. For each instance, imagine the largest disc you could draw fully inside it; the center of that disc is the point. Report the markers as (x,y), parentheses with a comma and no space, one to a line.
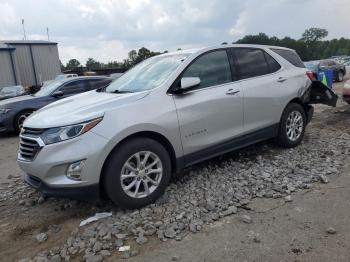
(120,91)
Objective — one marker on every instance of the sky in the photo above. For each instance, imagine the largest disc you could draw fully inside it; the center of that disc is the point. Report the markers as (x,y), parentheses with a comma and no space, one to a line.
(107,30)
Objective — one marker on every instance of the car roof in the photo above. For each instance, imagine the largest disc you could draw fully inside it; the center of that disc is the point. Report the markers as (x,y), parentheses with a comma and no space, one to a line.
(208,48)
(84,78)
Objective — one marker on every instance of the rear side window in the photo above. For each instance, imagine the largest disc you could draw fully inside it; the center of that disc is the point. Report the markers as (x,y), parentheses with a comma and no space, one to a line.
(291,56)
(212,68)
(251,62)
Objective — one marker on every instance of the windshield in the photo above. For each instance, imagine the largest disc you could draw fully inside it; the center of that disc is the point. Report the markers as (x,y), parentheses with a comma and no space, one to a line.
(147,75)
(47,90)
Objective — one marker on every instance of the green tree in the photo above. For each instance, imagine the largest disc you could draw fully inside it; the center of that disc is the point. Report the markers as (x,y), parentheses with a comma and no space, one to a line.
(314,34)
(310,46)
(92,64)
(132,57)
(72,64)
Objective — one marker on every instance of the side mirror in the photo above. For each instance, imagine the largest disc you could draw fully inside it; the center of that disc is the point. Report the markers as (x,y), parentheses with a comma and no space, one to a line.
(189,82)
(57,94)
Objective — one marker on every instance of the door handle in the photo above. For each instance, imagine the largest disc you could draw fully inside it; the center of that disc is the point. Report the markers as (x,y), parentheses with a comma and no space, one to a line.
(281,79)
(232,92)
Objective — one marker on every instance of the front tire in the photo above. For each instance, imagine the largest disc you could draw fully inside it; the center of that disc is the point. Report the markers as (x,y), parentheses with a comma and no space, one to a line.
(137,173)
(292,126)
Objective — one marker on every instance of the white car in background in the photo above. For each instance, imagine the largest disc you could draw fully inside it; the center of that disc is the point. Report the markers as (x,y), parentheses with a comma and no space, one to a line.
(59,78)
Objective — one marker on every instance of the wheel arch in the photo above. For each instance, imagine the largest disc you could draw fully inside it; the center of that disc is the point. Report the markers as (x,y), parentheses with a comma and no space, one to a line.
(20,112)
(145,134)
(298,100)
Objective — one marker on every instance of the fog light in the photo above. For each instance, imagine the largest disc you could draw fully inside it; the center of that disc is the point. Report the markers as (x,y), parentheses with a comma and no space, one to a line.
(75,169)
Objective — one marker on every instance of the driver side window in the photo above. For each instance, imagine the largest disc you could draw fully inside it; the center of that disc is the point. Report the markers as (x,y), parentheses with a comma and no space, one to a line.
(212,68)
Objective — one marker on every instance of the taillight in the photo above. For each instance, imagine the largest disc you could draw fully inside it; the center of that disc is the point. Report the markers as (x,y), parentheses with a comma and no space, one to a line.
(311,75)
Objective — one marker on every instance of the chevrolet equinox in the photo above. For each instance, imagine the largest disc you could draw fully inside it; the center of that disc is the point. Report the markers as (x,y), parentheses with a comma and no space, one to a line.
(167,113)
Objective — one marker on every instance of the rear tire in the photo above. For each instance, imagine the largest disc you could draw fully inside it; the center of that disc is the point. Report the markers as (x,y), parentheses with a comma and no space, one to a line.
(137,173)
(19,120)
(292,126)
(340,77)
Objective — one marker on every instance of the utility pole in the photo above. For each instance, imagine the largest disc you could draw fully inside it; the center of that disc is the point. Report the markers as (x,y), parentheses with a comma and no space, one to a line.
(24,31)
(48,35)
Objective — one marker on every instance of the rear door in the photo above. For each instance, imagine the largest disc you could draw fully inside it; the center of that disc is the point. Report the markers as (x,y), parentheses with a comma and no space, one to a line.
(262,82)
(211,114)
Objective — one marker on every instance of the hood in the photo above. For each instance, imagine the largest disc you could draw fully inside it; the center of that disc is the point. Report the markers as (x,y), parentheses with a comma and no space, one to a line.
(8,102)
(80,108)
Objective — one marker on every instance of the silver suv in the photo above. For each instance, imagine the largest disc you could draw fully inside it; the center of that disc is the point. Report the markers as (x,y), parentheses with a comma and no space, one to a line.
(163,115)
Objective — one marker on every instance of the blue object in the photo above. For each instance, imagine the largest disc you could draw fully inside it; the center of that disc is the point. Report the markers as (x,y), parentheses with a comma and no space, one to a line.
(326,77)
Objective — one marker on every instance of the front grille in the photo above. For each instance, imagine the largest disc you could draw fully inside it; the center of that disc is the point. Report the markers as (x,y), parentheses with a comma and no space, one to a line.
(32,131)
(28,148)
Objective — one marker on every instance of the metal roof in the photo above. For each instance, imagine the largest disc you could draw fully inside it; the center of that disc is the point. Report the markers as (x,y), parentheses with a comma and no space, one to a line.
(27,42)
(4,46)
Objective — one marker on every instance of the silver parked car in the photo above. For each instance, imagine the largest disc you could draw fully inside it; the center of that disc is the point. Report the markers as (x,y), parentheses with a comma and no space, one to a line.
(167,113)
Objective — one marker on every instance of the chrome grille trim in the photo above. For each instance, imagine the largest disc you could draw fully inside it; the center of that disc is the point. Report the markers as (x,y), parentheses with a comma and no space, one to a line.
(29,147)
(32,132)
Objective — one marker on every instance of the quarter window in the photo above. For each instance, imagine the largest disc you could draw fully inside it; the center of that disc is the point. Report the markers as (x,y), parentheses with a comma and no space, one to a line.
(212,68)
(291,56)
(272,63)
(251,62)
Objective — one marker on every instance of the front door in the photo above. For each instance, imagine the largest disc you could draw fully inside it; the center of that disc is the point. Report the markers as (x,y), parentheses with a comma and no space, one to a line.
(211,114)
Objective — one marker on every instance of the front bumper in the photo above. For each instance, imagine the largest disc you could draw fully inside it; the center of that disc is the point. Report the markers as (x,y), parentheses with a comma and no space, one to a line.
(6,122)
(47,171)
(85,193)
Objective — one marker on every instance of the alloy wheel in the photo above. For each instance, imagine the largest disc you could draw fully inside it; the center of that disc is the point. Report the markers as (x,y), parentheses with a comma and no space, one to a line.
(141,174)
(294,125)
(22,118)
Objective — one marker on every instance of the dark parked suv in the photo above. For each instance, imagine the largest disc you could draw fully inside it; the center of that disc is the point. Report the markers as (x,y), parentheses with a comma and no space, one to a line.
(15,110)
(339,70)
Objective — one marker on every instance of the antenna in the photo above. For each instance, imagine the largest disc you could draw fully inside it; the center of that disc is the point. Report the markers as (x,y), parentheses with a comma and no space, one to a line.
(24,30)
(48,35)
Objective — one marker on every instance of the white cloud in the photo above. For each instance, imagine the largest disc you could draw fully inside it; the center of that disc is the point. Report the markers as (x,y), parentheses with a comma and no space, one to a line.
(240,27)
(107,29)
(105,51)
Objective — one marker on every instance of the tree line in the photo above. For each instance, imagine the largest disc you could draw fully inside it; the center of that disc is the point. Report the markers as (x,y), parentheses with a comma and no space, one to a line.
(91,64)
(311,46)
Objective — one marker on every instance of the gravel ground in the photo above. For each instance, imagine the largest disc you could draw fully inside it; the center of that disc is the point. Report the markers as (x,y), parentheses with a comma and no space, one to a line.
(47,229)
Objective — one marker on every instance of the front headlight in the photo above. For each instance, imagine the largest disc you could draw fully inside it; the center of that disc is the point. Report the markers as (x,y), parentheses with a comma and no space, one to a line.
(4,111)
(58,134)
